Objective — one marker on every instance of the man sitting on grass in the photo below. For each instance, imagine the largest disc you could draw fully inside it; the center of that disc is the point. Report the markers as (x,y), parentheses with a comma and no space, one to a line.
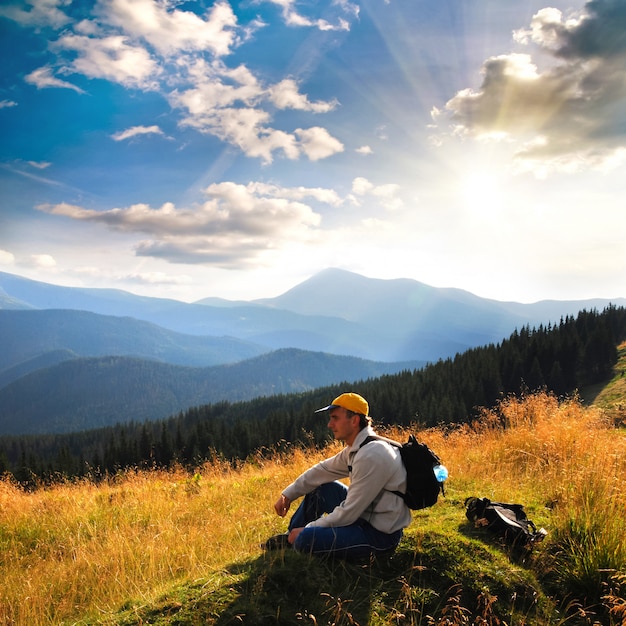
(355,522)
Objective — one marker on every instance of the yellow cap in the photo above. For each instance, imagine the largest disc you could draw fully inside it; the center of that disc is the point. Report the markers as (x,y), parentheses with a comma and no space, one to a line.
(351,401)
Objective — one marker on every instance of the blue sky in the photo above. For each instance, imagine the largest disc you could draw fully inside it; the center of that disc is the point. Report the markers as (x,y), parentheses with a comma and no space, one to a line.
(195,149)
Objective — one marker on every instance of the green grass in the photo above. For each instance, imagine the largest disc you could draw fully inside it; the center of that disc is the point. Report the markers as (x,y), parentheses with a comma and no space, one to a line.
(611,395)
(432,575)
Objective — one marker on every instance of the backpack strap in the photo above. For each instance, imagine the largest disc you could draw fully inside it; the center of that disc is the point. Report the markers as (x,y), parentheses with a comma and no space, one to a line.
(391,442)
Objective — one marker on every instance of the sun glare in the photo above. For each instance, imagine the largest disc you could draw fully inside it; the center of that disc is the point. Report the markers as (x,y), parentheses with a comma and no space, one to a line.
(480,194)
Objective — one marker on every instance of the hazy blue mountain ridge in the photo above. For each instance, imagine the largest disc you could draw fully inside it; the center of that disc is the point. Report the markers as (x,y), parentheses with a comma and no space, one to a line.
(8,302)
(41,361)
(86,393)
(271,327)
(420,320)
(26,335)
(410,306)
(80,358)
(335,311)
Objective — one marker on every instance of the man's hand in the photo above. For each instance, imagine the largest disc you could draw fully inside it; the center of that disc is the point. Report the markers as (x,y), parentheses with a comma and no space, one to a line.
(293,534)
(282,505)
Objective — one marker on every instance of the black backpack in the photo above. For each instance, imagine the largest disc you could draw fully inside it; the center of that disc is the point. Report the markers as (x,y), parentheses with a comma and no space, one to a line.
(422,486)
(506,521)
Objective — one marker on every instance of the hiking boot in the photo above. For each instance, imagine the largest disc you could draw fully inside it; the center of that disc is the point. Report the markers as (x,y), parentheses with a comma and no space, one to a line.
(277,542)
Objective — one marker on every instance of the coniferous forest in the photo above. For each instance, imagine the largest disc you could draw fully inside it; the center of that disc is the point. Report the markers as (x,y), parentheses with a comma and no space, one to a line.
(561,358)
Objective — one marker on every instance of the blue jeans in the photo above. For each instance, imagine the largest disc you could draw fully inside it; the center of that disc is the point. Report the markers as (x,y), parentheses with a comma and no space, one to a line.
(359,540)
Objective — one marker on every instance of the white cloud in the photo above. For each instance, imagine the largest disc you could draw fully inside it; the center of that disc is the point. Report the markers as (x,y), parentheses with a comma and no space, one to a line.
(214,86)
(286,95)
(43,261)
(5,104)
(44,77)
(567,116)
(317,143)
(134,131)
(158,278)
(247,129)
(386,194)
(89,28)
(365,150)
(326,196)
(361,186)
(227,103)
(171,31)
(342,11)
(40,165)
(233,228)
(350,8)
(6,257)
(152,278)
(39,13)
(153,45)
(112,58)
(28,174)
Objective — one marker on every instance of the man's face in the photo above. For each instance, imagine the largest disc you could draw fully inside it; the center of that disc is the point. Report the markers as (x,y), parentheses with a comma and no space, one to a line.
(343,427)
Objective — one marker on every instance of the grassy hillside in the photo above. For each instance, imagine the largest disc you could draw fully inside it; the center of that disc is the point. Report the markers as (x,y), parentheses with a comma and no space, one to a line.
(152,547)
(611,396)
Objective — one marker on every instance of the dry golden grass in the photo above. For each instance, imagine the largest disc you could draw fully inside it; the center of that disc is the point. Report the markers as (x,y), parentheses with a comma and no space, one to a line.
(82,547)
(536,446)
(565,463)
(79,548)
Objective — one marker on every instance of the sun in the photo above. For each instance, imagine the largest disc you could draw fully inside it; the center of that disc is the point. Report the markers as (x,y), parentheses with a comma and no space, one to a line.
(481,194)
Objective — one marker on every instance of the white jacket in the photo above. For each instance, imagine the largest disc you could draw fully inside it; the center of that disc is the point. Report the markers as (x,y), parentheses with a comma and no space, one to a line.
(377,471)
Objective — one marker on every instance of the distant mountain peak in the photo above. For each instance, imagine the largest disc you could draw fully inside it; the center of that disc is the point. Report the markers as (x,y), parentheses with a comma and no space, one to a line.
(335,311)
(341,293)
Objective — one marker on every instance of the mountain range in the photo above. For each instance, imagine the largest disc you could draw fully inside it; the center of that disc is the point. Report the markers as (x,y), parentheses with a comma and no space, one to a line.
(335,311)
(337,326)
(92,392)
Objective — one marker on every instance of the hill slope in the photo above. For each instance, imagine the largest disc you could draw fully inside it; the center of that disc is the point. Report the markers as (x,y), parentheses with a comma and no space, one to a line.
(110,551)
(28,336)
(612,394)
(87,393)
